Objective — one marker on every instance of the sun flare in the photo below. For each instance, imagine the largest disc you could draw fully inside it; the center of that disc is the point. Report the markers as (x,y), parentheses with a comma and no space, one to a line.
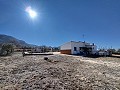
(31,12)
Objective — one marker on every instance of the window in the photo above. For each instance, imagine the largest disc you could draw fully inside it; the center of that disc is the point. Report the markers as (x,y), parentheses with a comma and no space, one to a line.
(75,48)
(80,48)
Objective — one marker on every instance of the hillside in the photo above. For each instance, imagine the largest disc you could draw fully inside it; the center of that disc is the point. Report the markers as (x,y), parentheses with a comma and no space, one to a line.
(14,41)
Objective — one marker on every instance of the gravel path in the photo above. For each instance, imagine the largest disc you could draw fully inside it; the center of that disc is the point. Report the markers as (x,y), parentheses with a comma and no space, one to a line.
(60,72)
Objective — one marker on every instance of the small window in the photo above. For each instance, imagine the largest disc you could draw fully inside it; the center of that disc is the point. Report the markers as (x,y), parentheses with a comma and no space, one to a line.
(75,48)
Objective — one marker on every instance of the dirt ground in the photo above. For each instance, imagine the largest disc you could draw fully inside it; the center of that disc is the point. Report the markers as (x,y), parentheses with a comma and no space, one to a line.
(60,72)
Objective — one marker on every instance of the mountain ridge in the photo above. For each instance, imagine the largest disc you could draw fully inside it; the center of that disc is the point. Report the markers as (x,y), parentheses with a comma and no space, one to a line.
(10,39)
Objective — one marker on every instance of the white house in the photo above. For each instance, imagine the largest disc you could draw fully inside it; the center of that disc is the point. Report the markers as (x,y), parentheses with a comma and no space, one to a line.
(74,47)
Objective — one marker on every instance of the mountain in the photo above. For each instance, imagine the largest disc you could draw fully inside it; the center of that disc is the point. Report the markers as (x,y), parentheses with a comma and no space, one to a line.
(14,41)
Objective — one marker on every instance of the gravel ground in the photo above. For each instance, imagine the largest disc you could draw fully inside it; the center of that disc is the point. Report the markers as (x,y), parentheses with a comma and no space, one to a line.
(60,72)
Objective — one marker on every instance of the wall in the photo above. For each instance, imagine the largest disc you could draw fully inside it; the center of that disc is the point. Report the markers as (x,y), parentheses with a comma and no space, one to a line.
(65,51)
(77,45)
(94,49)
(66,46)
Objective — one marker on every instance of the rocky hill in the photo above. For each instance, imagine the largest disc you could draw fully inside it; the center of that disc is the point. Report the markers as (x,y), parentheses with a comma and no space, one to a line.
(14,41)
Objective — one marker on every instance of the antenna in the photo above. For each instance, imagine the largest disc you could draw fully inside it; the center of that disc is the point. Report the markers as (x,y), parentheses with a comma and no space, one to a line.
(83,38)
(111,47)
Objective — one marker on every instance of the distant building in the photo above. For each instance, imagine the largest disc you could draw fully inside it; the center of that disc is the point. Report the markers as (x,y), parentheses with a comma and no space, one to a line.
(74,47)
(104,53)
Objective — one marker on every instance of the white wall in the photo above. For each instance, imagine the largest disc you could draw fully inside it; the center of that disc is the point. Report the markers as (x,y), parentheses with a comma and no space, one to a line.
(66,46)
(94,49)
(77,45)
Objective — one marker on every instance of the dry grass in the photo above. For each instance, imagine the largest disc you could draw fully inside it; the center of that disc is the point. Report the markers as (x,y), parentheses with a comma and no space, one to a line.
(60,72)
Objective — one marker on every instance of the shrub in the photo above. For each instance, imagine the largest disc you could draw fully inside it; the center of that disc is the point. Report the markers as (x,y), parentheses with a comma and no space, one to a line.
(7,49)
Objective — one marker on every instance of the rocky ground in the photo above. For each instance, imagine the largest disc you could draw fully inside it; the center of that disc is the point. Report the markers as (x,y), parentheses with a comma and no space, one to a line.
(60,72)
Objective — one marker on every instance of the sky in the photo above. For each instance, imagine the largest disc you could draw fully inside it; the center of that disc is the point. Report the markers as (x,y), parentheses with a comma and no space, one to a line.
(61,21)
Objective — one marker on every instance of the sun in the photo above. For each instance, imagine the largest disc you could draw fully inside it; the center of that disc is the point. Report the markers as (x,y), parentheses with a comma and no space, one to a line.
(31,12)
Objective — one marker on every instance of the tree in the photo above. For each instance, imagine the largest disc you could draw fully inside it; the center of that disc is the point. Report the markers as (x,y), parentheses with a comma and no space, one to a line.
(118,51)
(112,50)
(7,49)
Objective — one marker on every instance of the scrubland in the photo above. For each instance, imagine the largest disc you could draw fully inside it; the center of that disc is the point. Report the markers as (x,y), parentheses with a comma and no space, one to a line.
(60,72)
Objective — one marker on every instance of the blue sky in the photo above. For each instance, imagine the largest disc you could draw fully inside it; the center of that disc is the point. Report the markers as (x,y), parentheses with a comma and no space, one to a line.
(60,21)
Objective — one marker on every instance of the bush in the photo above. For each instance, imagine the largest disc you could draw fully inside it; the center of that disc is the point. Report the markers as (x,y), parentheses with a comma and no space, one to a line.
(7,49)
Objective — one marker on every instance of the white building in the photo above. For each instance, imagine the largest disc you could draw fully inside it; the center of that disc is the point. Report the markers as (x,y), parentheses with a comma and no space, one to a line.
(73,47)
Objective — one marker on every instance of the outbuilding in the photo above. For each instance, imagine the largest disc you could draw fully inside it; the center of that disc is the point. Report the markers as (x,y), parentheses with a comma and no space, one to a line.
(79,47)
